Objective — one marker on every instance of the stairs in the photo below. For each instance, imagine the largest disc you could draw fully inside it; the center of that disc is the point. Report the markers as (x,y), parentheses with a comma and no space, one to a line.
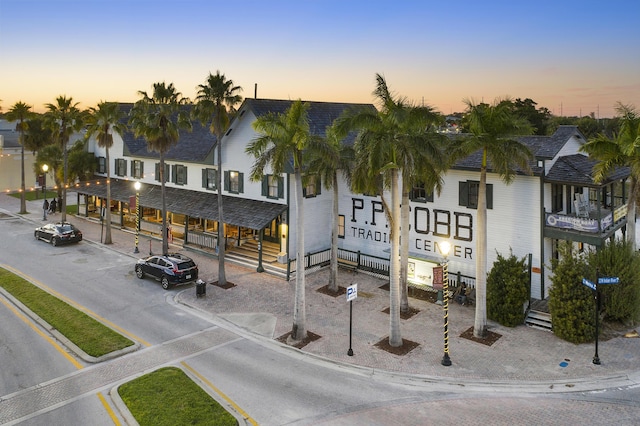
(539,319)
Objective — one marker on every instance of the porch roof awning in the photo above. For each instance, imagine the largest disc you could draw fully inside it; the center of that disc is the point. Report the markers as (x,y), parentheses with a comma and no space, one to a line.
(252,214)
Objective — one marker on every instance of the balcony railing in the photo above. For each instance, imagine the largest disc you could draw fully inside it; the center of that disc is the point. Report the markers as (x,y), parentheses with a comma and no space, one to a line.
(593,224)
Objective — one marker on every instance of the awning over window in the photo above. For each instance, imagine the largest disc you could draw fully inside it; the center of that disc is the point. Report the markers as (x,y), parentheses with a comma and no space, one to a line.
(252,214)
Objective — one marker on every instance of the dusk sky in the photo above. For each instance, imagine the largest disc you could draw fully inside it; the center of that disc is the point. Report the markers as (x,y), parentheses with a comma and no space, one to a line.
(572,57)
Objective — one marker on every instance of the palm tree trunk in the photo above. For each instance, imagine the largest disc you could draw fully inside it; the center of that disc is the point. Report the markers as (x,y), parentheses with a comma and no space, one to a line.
(395,337)
(165,239)
(222,277)
(480,326)
(404,250)
(333,276)
(107,235)
(631,213)
(299,330)
(63,203)
(23,201)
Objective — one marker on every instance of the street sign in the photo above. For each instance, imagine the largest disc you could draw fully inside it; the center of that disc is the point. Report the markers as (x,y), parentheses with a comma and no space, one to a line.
(352,292)
(608,280)
(589,284)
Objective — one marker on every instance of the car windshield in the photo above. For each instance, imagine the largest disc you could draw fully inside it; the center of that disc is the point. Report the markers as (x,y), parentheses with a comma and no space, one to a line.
(65,228)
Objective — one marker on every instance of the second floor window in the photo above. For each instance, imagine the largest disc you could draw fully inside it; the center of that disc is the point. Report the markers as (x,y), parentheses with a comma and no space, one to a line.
(137,169)
(312,188)
(233,182)
(167,172)
(179,174)
(102,165)
(468,194)
(419,194)
(273,186)
(209,179)
(121,167)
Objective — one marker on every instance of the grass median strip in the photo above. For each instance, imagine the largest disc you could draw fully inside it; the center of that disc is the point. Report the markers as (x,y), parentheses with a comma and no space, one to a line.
(169,397)
(93,337)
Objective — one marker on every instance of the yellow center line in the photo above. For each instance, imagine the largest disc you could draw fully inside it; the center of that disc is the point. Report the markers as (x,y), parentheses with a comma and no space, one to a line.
(30,323)
(219,392)
(77,306)
(109,410)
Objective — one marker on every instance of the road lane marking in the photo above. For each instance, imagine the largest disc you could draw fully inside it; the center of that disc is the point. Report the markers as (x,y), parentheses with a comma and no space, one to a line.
(219,392)
(109,410)
(76,305)
(31,324)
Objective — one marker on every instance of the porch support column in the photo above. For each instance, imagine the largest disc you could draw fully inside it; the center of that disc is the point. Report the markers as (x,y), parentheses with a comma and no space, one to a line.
(260,234)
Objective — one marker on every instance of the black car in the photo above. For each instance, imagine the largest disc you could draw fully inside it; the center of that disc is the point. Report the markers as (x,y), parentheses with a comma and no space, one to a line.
(170,270)
(58,233)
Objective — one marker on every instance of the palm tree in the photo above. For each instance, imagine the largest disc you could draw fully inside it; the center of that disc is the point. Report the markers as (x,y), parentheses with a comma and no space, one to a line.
(158,119)
(282,138)
(327,158)
(21,112)
(102,122)
(377,168)
(216,100)
(491,130)
(63,119)
(622,150)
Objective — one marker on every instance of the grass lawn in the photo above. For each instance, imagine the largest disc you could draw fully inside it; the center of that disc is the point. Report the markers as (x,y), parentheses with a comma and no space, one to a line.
(169,397)
(91,336)
(37,195)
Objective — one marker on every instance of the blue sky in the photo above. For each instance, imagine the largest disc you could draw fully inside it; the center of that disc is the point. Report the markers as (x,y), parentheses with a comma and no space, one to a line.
(571,57)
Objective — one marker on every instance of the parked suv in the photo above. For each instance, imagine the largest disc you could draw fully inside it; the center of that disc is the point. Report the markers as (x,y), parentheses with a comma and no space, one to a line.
(170,270)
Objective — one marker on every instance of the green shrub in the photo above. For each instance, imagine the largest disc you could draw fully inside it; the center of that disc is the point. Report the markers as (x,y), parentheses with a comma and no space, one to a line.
(570,302)
(620,302)
(507,290)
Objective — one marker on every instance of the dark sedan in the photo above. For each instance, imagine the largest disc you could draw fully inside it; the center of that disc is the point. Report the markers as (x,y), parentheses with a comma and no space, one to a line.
(58,233)
(170,270)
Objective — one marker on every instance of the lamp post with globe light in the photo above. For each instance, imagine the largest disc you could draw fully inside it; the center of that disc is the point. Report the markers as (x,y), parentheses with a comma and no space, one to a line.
(444,249)
(137,187)
(45,169)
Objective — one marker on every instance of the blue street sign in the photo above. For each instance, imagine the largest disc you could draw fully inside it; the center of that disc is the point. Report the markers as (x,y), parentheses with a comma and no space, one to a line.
(589,284)
(608,280)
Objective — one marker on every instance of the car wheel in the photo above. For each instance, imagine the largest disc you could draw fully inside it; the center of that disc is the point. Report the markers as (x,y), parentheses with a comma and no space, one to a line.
(165,282)
(139,272)
(54,241)
(35,234)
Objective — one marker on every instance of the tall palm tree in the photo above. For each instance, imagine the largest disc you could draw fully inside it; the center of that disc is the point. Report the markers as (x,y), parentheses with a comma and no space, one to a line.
(216,101)
(64,118)
(377,167)
(102,121)
(622,150)
(283,138)
(492,130)
(327,158)
(158,119)
(21,112)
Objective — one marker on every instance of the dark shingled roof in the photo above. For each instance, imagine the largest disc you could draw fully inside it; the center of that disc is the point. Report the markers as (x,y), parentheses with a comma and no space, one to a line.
(577,169)
(194,146)
(542,147)
(242,212)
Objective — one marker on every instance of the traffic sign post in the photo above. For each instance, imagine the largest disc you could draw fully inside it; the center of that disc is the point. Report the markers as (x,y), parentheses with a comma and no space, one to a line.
(594,287)
(352,293)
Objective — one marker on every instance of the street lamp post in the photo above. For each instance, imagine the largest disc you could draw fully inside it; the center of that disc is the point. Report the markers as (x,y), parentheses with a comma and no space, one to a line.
(45,168)
(137,187)
(445,247)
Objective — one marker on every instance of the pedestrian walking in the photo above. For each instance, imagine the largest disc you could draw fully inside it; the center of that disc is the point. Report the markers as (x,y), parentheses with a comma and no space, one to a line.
(52,206)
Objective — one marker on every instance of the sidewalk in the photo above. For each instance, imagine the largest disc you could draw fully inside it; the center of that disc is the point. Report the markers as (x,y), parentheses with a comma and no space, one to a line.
(262,304)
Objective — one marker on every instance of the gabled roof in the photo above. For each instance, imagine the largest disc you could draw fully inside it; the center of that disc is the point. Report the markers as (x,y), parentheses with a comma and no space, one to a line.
(194,146)
(577,170)
(542,147)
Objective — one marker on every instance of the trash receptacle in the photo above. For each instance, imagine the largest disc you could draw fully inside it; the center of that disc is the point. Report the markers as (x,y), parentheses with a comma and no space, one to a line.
(201,288)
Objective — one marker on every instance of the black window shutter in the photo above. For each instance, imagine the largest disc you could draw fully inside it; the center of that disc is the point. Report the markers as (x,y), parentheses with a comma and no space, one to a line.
(205,174)
(489,196)
(240,183)
(280,187)
(158,172)
(463,194)
(226,180)
(318,185)
(265,185)
(173,172)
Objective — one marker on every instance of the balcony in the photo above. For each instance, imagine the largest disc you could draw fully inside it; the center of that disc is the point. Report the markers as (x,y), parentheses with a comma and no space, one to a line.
(590,227)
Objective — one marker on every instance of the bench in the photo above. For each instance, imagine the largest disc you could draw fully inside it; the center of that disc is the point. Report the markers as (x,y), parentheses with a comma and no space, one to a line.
(348,265)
